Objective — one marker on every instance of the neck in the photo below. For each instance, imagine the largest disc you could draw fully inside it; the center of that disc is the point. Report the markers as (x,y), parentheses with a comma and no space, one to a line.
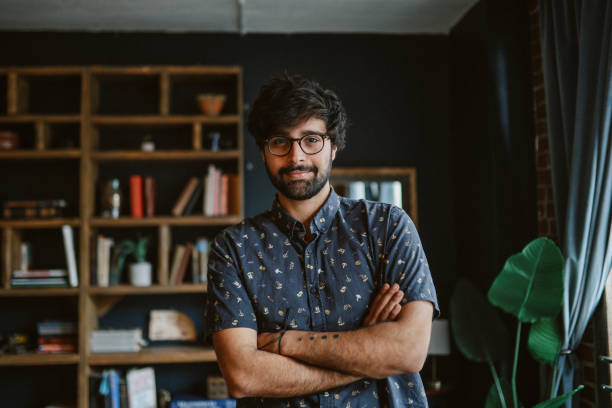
(305,210)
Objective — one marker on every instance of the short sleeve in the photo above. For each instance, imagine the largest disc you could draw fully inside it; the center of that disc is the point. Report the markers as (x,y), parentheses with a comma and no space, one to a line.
(228,304)
(404,261)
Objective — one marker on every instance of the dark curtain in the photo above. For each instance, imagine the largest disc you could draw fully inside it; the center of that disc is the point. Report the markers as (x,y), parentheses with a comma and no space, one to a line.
(577,60)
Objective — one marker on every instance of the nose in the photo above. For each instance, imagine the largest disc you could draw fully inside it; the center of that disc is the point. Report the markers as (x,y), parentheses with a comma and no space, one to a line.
(296,154)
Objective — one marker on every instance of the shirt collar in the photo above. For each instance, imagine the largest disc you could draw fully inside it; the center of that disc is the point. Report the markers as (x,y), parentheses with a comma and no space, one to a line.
(320,223)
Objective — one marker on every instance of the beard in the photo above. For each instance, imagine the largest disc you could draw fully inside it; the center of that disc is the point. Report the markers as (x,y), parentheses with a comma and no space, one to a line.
(300,190)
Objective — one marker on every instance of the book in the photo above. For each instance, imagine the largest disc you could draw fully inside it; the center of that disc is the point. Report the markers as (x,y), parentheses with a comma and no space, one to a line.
(188,401)
(55,327)
(39,282)
(141,388)
(224,195)
(233,200)
(40,273)
(149,196)
(179,251)
(116,340)
(136,195)
(181,202)
(209,191)
(180,275)
(202,245)
(73,276)
(104,249)
(25,255)
(55,348)
(195,265)
(195,198)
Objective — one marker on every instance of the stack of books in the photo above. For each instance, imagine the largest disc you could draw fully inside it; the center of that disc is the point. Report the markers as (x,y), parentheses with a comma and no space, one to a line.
(192,256)
(116,341)
(42,278)
(33,209)
(55,336)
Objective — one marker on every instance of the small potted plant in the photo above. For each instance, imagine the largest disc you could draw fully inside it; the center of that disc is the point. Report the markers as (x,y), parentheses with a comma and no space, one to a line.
(147,144)
(140,271)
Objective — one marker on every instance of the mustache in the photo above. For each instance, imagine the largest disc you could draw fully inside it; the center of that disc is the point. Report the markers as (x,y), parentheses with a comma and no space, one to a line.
(289,169)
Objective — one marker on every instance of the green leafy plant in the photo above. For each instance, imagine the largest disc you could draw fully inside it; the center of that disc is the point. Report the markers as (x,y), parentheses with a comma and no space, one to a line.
(530,286)
(138,248)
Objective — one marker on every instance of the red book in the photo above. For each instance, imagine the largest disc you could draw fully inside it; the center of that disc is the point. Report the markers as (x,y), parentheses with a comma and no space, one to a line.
(136,196)
(149,196)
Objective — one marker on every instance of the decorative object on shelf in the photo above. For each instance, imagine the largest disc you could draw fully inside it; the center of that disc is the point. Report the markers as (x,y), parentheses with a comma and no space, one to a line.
(15,343)
(147,144)
(170,325)
(211,104)
(214,138)
(140,271)
(439,345)
(8,140)
(112,199)
(33,209)
(141,389)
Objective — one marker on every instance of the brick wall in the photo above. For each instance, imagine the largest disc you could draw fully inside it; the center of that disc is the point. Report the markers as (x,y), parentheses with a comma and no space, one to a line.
(547,226)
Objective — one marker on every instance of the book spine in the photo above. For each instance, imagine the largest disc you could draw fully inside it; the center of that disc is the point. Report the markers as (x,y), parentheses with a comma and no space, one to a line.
(136,195)
(73,277)
(180,276)
(180,204)
(149,196)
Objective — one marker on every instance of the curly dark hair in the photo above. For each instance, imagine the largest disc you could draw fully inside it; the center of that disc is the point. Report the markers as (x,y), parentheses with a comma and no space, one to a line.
(287,100)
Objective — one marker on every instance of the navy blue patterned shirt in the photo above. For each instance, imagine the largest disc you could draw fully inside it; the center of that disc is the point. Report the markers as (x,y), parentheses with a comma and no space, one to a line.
(264,275)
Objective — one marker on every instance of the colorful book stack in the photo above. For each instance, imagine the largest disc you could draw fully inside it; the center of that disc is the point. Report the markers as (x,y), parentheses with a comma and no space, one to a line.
(216,193)
(198,253)
(43,278)
(111,389)
(33,209)
(55,336)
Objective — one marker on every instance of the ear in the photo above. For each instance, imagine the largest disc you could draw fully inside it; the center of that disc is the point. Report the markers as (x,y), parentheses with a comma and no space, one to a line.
(333,152)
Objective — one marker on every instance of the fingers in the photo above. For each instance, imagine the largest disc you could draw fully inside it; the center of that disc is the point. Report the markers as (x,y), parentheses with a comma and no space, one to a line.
(392,305)
(385,305)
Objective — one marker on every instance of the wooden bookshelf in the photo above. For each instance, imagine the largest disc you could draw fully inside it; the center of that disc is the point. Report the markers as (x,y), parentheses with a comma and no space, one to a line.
(155,355)
(39,292)
(121,290)
(94,103)
(39,359)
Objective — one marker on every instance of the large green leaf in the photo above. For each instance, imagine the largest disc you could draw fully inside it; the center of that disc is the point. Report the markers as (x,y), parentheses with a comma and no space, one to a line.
(560,400)
(493,400)
(530,286)
(545,340)
(477,329)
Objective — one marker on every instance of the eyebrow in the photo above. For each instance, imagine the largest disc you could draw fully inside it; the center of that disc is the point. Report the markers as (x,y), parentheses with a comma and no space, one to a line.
(304,133)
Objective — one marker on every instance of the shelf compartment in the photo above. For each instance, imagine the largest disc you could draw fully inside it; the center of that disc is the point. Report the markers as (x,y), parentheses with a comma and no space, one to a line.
(162,120)
(125,93)
(32,359)
(33,292)
(41,154)
(40,118)
(167,220)
(155,355)
(129,155)
(50,93)
(40,223)
(120,290)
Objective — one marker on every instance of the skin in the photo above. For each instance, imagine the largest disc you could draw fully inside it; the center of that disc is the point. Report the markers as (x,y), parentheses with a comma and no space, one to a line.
(393,339)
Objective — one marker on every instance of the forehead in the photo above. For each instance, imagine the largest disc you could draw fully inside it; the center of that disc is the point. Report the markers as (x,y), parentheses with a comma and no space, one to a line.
(312,124)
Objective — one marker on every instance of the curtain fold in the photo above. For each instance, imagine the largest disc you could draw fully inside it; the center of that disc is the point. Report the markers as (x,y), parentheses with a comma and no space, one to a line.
(576,38)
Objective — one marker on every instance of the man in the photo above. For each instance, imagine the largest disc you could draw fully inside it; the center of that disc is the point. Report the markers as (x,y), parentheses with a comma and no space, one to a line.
(289,289)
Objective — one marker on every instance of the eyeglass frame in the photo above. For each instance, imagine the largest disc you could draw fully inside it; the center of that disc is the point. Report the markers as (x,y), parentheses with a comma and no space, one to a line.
(299,142)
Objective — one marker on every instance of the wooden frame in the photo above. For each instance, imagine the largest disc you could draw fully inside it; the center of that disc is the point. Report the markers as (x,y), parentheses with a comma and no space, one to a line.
(340,176)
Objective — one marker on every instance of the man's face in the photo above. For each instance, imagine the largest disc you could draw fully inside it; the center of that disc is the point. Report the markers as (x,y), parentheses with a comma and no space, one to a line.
(297,175)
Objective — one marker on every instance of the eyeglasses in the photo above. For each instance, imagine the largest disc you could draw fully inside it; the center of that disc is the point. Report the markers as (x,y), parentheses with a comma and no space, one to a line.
(310,144)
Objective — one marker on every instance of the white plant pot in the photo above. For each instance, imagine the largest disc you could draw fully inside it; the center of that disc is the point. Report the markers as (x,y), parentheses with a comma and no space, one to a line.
(140,274)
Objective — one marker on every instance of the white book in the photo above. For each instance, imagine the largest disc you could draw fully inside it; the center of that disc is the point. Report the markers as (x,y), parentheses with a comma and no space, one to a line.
(73,276)
(391,193)
(141,388)
(209,194)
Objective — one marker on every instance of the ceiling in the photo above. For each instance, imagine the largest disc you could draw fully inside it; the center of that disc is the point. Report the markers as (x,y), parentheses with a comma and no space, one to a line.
(236,16)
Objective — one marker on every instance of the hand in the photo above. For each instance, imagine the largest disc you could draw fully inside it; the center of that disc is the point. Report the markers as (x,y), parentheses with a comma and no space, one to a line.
(386,305)
(268,341)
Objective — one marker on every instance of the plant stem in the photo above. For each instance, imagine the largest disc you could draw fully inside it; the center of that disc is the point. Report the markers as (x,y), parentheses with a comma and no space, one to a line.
(554,377)
(515,364)
(500,392)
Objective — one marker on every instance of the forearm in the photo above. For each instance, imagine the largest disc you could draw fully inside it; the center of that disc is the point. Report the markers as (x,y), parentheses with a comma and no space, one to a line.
(378,351)
(250,372)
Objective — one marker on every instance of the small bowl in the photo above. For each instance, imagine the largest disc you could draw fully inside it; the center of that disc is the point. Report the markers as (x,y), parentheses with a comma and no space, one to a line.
(211,104)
